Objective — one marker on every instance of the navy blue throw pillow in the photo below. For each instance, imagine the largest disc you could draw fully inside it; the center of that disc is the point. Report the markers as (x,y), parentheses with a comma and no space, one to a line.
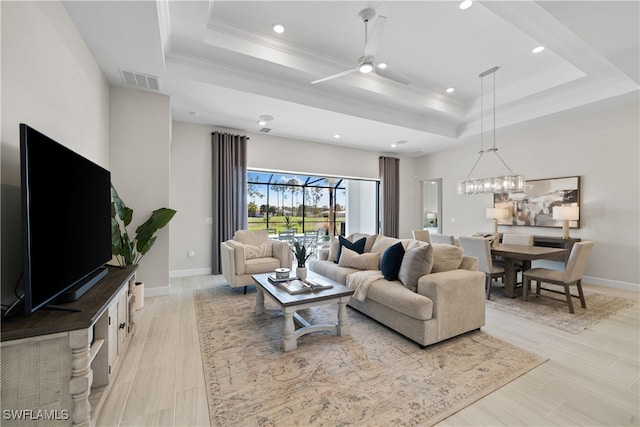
(391,261)
(357,246)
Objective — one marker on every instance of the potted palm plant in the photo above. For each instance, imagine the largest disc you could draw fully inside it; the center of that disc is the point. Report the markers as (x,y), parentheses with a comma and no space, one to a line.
(130,251)
(302,254)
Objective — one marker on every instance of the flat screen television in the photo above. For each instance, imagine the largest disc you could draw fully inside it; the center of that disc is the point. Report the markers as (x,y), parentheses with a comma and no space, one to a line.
(66,221)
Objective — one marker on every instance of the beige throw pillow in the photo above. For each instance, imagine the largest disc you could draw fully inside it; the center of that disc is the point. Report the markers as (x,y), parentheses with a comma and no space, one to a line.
(334,245)
(258,251)
(382,243)
(446,257)
(416,262)
(365,261)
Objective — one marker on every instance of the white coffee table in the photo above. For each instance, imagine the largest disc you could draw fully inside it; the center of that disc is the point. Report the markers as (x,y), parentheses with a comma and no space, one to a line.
(290,304)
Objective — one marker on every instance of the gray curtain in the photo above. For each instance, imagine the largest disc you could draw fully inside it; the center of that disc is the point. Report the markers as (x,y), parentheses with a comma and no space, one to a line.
(229,190)
(390,196)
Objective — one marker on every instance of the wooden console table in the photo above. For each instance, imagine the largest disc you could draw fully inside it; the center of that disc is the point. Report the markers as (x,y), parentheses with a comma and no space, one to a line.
(52,359)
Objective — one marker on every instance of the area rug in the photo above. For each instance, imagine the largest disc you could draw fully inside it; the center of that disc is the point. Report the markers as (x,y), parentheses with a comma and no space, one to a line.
(373,376)
(556,313)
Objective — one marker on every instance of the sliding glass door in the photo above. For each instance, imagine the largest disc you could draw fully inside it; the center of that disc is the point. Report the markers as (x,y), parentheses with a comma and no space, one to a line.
(282,201)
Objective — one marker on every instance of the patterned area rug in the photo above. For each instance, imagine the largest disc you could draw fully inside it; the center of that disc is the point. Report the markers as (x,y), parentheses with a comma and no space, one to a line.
(373,376)
(556,313)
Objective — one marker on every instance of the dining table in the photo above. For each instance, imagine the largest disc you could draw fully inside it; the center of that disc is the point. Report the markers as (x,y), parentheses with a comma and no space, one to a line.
(524,254)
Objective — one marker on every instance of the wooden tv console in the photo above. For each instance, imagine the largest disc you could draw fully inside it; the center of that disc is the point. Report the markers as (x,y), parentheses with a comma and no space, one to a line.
(53,360)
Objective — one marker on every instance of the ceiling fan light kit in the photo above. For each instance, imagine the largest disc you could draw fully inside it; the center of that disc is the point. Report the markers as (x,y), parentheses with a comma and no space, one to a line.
(367,63)
(510,183)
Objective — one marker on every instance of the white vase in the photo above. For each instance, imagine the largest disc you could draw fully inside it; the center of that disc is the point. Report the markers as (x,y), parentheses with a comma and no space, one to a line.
(301,272)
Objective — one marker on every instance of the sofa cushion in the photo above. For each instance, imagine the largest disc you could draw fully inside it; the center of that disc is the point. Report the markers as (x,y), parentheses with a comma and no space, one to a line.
(357,246)
(395,296)
(382,243)
(251,237)
(416,262)
(261,265)
(331,270)
(334,245)
(364,261)
(258,251)
(446,257)
(371,238)
(391,260)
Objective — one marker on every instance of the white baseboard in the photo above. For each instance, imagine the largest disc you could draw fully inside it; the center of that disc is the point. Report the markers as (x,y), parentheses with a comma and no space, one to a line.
(627,286)
(190,272)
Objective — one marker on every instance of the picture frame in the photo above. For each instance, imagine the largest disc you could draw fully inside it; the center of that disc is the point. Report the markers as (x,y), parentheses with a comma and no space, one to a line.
(534,207)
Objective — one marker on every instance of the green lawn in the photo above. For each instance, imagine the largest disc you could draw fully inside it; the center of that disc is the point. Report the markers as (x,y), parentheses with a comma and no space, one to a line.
(278,222)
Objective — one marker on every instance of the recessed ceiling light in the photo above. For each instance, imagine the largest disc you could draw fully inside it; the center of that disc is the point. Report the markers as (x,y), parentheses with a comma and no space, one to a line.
(262,122)
(366,67)
(394,145)
(451,89)
(538,49)
(382,65)
(466,4)
(337,135)
(278,28)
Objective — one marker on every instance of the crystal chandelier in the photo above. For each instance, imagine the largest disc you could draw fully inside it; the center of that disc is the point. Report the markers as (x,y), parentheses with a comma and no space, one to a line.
(510,183)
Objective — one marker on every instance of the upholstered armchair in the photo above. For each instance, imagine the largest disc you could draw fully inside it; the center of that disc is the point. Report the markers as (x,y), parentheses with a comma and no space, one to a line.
(252,252)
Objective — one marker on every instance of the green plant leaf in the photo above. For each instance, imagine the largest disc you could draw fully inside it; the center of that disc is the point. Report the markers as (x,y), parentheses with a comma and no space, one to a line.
(116,238)
(144,233)
(124,213)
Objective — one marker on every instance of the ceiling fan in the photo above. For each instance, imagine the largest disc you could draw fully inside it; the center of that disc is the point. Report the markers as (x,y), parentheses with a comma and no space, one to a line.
(366,63)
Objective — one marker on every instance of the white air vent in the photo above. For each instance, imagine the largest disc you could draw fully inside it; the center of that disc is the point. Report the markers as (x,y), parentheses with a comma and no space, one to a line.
(140,80)
(265,130)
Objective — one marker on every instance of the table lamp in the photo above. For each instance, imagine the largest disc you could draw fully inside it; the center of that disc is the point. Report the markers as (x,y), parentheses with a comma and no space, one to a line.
(496,214)
(566,214)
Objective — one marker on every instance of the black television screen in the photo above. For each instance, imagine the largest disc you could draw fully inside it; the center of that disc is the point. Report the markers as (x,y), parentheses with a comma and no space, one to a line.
(66,229)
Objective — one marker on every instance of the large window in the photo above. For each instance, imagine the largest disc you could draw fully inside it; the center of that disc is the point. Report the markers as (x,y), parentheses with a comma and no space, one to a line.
(279,201)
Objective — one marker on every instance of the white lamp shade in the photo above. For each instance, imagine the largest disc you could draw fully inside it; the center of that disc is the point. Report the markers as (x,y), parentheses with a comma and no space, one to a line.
(570,213)
(497,213)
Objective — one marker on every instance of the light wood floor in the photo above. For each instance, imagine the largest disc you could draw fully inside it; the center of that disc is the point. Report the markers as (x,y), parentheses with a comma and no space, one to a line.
(591,378)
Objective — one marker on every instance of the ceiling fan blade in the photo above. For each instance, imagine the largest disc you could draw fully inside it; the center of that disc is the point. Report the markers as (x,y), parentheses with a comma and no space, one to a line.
(373,41)
(334,76)
(392,76)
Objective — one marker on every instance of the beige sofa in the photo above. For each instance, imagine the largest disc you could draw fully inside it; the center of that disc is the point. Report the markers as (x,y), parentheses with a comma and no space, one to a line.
(252,252)
(447,302)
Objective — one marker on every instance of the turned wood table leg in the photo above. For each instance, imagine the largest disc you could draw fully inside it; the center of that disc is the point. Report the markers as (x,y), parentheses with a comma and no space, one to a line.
(259,300)
(343,323)
(81,377)
(289,341)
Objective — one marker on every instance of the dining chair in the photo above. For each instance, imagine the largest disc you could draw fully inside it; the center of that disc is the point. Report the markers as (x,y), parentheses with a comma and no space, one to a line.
(311,241)
(442,238)
(421,235)
(572,275)
(481,249)
(286,236)
(519,240)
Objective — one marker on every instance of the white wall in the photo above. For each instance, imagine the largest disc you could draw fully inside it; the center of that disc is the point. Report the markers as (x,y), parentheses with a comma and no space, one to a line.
(599,146)
(191,183)
(140,169)
(51,82)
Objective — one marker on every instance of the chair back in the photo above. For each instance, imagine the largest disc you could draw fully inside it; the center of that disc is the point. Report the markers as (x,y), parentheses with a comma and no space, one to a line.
(479,248)
(286,236)
(441,238)
(271,231)
(311,238)
(517,239)
(421,235)
(577,261)
(251,237)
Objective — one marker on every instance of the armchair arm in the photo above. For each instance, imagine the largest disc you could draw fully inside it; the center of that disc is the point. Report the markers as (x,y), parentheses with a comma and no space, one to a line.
(237,256)
(282,251)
